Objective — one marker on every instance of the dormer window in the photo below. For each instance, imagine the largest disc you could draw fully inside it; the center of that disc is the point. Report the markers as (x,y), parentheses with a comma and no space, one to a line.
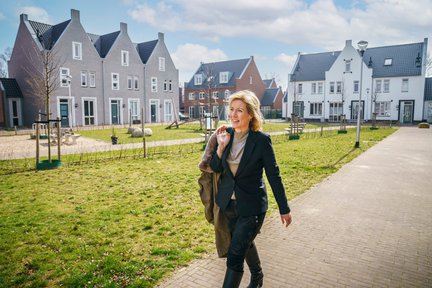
(388,61)
(223,77)
(198,79)
(125,58)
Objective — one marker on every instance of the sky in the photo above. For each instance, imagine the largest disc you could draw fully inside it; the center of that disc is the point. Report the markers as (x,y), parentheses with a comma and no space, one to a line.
(273,31)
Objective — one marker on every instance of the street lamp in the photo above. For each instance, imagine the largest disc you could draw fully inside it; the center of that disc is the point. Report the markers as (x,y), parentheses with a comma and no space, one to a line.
(69,79)
(362,46)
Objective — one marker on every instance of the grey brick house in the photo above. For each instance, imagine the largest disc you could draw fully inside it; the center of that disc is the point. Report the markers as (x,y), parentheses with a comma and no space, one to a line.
(102,79)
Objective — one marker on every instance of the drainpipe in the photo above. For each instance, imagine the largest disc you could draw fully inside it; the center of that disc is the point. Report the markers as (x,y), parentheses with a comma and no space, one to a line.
(103,92)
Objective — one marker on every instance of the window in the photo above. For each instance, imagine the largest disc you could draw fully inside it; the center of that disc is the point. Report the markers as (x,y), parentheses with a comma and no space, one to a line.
(161,64)
(378,84)
(386,85)
(250,80)
(115,81)
(89,113)
(314,88)
(129,82)
(215,94)
(136,83)
(170,86)
(348,66)
(134,112)
(339,87)
(332,87)
(76,50)
(223,77)
(153,84)
(335,111)
(83,78)
(168,110)
(300,88)
(388,62)
(201,95)
(356,86)
(192,112)
(320,88)
(64,74)
(165,85)
(92,79)
(316,109)
(404,85)
(191,96)
(125,58)
(227,94)
(382,108)
(198,79)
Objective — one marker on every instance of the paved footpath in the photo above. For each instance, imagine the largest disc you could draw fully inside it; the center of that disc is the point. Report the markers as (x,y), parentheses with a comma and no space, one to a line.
(367,225)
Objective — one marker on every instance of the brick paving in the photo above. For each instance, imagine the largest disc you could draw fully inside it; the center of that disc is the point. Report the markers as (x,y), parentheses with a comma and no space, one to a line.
(367,225)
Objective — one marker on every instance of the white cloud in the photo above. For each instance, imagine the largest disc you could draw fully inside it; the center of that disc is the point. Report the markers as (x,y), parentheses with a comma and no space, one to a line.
(35,14)
(188,57)
(321,24)
(287,60)
(2,17)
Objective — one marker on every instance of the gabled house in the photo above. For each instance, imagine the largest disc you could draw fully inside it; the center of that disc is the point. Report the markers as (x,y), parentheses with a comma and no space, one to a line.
(161,81)
(10,103)
(271,101)
(100,79)
(220,80)
(389,80)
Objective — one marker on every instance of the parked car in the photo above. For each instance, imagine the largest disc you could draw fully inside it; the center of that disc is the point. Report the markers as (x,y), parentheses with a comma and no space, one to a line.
(183,116)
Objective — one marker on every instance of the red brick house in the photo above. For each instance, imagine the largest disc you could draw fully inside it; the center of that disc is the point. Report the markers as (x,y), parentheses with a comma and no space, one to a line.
(220,80)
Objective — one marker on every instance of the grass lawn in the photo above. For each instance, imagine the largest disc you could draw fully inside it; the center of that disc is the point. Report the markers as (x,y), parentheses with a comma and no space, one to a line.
(185,131)
(131,222)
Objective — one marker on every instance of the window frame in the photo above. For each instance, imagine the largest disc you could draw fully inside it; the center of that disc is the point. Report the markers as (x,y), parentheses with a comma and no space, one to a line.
(129,82)
(405,85)
(356,86)
(332,87)
(382,108)
(124,58)
(63,76)
(161,63)
(153,82)
(115,81)
(386,86)
(76,49)
(136,83)
(84,79)
(315,106)
(223,77)
(92,79)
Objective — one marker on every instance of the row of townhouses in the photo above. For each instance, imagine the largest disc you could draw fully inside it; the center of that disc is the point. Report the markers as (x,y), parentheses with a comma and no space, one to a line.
(212,84)
(101,79)
(389,81)
(109,80)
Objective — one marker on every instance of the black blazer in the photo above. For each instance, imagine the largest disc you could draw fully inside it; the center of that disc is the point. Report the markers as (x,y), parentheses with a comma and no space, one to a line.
(248,183)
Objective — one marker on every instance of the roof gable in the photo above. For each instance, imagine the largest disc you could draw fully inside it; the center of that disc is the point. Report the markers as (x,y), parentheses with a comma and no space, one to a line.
(313,66)
(104,43)
(235,67)
(269,96)
(11,88)
(145,50)
(47,34)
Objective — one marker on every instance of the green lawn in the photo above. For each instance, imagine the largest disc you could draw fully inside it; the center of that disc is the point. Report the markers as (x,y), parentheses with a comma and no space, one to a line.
(131,222)
(185,131)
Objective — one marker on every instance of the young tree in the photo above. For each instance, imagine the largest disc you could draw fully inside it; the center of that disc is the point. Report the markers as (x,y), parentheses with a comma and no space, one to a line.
(43,82)
(4,58)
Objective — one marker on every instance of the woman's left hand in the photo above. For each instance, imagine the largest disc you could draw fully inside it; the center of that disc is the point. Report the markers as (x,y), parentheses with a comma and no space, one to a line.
(286,219)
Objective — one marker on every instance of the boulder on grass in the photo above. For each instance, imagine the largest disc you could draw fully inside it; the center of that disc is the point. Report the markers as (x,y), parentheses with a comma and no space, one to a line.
(138,132)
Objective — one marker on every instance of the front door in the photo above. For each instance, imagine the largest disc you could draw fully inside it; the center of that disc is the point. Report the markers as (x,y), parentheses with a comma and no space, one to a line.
(406,109)
(64,113)
(115,112)
(153,111)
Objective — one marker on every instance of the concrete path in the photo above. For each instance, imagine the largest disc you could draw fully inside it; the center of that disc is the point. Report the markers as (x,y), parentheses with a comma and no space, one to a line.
(368,225)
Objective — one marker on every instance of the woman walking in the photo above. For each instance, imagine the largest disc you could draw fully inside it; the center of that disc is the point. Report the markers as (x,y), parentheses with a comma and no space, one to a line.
(243,152)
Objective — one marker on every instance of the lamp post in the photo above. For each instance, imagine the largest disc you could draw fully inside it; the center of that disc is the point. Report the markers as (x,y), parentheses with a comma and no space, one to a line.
(362,46)
(69,80)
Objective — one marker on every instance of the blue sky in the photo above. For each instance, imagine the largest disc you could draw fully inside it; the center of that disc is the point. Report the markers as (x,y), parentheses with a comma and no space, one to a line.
(273,31)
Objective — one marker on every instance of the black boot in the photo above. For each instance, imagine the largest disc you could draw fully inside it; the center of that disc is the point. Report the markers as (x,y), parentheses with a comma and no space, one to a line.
(232,279)
(253,261)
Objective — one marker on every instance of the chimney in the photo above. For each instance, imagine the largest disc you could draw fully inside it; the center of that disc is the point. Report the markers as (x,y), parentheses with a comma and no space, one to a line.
(161,36)
(75,15)
(348,43)
(23,17)
(123,27)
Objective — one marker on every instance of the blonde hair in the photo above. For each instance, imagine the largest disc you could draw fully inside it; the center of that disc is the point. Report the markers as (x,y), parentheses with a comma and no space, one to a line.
(253,107)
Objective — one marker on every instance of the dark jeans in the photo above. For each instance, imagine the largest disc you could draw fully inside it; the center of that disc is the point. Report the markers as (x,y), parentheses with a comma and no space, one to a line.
(243,232)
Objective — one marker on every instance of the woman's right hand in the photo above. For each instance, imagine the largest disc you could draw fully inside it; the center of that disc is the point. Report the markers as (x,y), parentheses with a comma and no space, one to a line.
(223,138)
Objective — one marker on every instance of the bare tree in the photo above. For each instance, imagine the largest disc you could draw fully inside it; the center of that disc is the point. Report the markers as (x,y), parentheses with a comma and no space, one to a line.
(43,82)
(4,58)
